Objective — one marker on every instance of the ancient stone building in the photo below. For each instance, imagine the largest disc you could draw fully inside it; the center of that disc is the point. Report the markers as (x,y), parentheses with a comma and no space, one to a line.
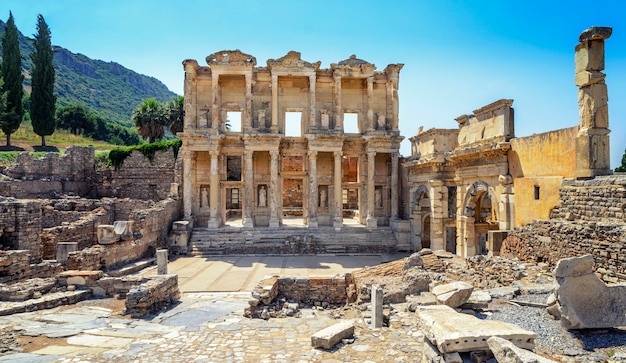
(468,186)
(290,140)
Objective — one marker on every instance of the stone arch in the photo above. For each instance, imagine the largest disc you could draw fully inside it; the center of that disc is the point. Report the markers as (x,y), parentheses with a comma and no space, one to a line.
(421,213)
(480,214)
(418,195)
(476,195)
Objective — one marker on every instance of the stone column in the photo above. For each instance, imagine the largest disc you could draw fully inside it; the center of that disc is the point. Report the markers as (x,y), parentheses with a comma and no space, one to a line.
(312,121)
(370,103)
(312,216)
(215,107)
(371,221)
(247,121)
(187,183)
(437,233)
(338,107)
(161,262)
(214,220)
(190,95)
(274,127)
(338,219)
(377,307)
(592,143)
(273,192)
(248,190)
(394,186)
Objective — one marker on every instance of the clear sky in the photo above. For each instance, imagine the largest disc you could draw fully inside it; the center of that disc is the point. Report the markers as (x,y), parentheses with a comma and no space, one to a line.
(458,55)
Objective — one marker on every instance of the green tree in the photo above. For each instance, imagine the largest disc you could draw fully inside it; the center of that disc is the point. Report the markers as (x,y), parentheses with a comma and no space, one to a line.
(75,118)
(150,118)
(42,96)
(175,110)
(12,75)
(622,168)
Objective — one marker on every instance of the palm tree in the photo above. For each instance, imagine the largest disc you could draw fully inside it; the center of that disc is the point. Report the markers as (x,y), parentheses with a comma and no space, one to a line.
(175,110)
(150,118)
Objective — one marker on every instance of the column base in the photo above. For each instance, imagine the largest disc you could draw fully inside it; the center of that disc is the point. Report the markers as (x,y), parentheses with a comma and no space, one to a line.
(248,223)
(274,223)
(214,222)
(338,223)
(312,223)
(371,222)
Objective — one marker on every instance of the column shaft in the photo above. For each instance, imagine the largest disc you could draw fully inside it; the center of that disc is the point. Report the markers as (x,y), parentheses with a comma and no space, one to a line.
(312,121)
(215,107)
(338,220)
(370,98)
(338,107)
(394,186)
(371,169)
(274,220)
(187,185)
(312,220)
(248,191)
(274,103)
(214,220)
(247,121)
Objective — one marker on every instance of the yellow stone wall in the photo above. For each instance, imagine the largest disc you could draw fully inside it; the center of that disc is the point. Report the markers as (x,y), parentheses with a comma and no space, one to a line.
(541,160)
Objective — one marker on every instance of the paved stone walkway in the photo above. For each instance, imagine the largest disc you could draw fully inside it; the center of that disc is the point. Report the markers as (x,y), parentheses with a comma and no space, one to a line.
(208,326)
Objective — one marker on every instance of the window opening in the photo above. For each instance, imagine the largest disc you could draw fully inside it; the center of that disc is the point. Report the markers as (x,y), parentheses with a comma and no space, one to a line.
(293,124)
(351,123)
(233,121)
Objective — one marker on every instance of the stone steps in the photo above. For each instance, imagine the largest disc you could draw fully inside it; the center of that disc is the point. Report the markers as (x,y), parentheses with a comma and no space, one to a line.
(291,240)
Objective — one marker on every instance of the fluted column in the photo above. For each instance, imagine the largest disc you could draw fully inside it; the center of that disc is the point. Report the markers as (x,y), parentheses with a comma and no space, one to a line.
(215,107)
(394,186)
(187,183)
(370,101)
(312,216)
(214,220)
(390,101)
(338,107)
(248,191)
(274,220)
(371,169)
(274,127)
(247,121)
(338,219)
(312,121)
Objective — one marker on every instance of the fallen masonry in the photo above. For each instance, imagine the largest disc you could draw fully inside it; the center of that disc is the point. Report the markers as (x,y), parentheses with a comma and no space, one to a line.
(327,338)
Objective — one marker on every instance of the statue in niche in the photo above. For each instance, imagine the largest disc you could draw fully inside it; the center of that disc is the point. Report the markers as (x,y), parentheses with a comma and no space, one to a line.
(205,201)
(381,123)
(261,119)
(378,198)
(262,196)
(323,198)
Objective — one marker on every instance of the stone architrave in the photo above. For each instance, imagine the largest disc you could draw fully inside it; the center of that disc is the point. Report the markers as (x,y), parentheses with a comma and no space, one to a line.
(584,301)
(454,294)
(450,331)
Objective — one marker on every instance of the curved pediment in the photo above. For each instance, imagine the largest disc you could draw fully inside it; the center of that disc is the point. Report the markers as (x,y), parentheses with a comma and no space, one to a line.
(235,57)
(292,60)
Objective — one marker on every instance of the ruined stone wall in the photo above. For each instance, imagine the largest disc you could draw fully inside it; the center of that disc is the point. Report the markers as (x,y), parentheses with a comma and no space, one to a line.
(590,219)
(20,226)
(139,178)
(15,266)
(330,289)
(150,230)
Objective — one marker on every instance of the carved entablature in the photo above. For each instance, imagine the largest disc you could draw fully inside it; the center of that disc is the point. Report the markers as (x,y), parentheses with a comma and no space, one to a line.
(292,60)
(392,71)
(231,57)
(491,123)
(353,67)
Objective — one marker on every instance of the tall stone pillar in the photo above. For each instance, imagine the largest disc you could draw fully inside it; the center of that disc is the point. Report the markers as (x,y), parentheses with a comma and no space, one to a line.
(191,79)
(215,107)
(312,215)
(214,220)
(248,191)
(437,232)
(338,218)
(312,121)
(274,127)
(247,121)
(370,103)
(371,221)
(274,220)
(188,163)
(592,143)
(338,106)
(394,186)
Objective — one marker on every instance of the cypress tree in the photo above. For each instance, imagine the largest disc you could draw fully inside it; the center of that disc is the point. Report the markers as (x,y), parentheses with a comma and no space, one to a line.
(42,98)
(12,76)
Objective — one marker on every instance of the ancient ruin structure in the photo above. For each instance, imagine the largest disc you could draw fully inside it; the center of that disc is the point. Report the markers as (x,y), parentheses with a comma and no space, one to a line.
(469,186)
(290,139)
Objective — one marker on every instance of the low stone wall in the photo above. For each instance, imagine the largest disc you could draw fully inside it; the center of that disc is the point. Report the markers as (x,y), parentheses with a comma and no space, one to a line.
(15,266)
(602,199)
(152,295)
(20,226)
(150,231)
(330,289)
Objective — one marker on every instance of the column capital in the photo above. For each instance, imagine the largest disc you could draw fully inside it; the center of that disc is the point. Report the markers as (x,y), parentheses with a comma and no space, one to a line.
(312,153)
(395,156)
(371,153)
(338,154)
(274,153)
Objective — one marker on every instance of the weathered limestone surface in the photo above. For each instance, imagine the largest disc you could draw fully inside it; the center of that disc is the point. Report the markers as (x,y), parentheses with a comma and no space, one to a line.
(584,300)
(377,307)
(450,331)
(329,337)
(152,295)
(454,294)
(507,352)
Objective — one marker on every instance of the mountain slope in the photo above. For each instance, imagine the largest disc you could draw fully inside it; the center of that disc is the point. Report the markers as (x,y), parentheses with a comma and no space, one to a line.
(107,88)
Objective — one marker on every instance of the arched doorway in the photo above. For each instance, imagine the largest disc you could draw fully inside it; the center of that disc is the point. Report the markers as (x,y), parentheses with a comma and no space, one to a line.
(421,220)
(479,217)
(426,232)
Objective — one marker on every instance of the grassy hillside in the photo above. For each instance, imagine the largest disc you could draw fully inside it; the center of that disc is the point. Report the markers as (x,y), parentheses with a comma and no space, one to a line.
(106,88)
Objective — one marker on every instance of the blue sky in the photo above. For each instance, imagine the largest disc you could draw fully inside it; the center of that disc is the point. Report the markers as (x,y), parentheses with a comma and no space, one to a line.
(458,55)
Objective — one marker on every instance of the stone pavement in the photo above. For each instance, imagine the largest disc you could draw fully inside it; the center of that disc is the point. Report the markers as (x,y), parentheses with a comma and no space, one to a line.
(206,326)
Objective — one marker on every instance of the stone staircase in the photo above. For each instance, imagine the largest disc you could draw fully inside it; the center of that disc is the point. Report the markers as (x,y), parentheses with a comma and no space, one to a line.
(291,240)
